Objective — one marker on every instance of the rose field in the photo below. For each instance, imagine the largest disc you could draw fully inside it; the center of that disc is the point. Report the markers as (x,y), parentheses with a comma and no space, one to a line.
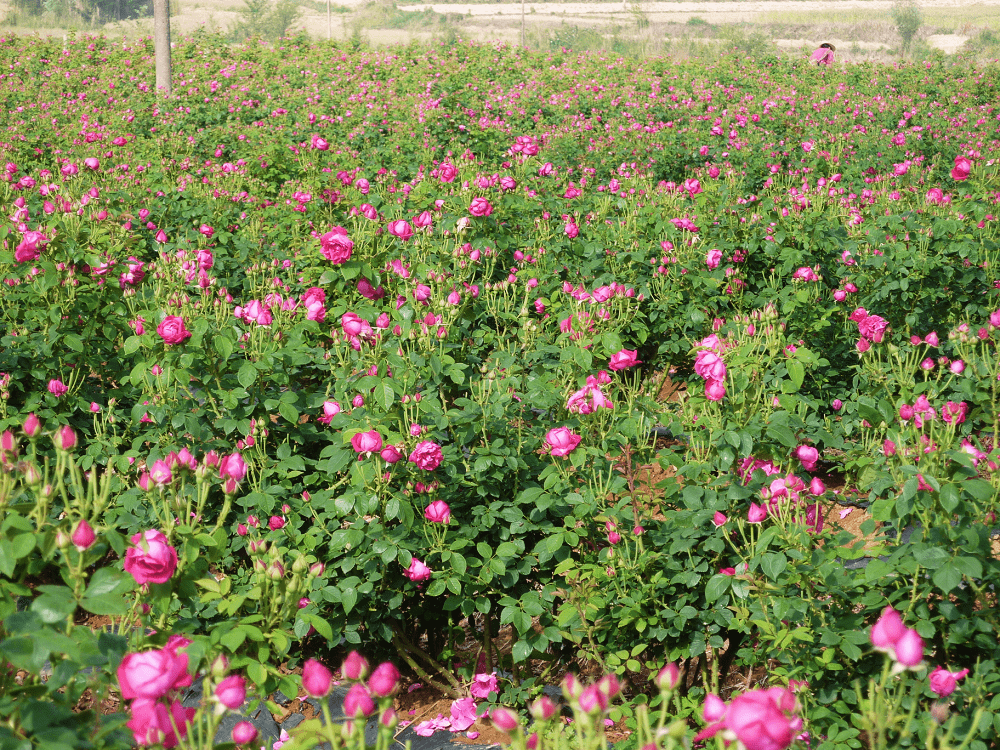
(497,367)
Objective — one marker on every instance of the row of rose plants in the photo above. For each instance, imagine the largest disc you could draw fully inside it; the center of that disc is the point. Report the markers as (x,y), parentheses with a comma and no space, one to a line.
(373,341)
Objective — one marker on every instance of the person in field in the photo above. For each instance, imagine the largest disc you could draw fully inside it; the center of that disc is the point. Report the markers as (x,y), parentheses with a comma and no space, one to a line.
(824,54)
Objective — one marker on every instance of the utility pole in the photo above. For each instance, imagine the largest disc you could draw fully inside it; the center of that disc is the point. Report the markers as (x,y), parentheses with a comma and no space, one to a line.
(161,45)
(522,23)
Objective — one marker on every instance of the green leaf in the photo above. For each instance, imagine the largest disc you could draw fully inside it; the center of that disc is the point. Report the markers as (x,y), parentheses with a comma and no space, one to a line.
(349,597)
(108,581)
(223,345)
(947,577)
(233,639)
(73,341)
(717,586)
(131,344)
(384,395)
(931,557)
(54,607)
(773,564)
(521,651)
(105,604)
(247,374)
(286,410)
(796,372)
(321,625)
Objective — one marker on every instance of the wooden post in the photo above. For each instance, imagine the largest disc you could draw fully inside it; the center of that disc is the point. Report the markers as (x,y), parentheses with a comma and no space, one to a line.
(161,45)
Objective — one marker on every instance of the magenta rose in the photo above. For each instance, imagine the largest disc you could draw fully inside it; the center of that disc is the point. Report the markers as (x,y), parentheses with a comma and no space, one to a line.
(480,207)
(401,229)
(316,679)
(367,442)
(709,365)
(30,247)
(384,680)
(713,258)
(624,359)
(358,702)
(153,723)
(232,467)
(872,327)
(150,559)
(562,440)
(438,512)
(427,455)
(172,330)
(153,674)
(336,246)
(764,719)
(232,692)
(417,571)
(962,169)
(944,682)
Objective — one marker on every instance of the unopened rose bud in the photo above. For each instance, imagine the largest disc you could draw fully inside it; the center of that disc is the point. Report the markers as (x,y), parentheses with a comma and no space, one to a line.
(220,666)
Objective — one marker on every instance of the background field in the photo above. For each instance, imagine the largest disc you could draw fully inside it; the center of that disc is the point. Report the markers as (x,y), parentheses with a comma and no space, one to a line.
(861,29)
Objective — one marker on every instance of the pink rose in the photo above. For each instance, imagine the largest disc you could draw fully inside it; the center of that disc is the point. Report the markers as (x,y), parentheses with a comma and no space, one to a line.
(316,679)
(715,390)
(764,719)
(172,330)
(709,365)
(624,359)
(367,442)
(358,702)
(872,327)
(858,315)
(427,455)
(57,388)
(231,692)
(713,258)
(438,512)
(483,684)
(336,246)
(944,682)
(417,571)
(233,467)
(244,733)
(962,168)
(31,245)
(480,207)
(150,559)
(808,456)
(391,454)
(562,441)
(153,723)
(401,229)
(384,680)
(153,674)
(83,536)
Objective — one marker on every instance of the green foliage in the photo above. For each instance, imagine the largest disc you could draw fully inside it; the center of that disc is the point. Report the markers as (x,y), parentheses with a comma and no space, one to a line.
(908,19)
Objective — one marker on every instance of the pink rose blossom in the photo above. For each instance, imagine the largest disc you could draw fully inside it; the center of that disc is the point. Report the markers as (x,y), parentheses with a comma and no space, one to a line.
(172,330)
(426,455)
(562,441)
(418,571)
(150,558)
